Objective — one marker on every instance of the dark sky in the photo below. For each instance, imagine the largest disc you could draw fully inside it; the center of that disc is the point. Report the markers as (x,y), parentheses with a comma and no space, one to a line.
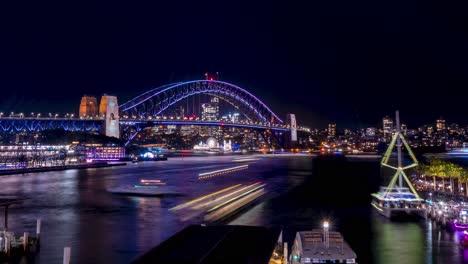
(346,61)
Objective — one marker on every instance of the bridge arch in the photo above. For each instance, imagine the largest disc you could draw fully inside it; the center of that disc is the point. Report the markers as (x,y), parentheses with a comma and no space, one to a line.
(156,101)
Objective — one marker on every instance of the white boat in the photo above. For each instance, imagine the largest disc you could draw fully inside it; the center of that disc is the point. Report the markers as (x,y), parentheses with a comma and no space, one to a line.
(398,201)
(145,188)
(321,246)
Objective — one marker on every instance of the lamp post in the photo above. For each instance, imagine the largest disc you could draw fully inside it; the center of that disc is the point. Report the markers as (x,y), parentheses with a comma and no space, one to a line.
(326,225)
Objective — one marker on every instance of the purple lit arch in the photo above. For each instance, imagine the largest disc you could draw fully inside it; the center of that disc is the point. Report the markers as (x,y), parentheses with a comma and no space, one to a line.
(154,102)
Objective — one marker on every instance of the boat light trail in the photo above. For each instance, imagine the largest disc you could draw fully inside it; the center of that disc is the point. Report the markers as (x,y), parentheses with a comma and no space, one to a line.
(235,198)
(181,206)
(224,196)
(245,159)
(210,174)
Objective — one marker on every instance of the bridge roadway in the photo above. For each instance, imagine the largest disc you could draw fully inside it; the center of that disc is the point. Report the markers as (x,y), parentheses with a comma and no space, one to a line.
(16,124)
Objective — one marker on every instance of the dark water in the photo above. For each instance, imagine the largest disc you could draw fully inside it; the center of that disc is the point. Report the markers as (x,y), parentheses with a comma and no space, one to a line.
(101,227)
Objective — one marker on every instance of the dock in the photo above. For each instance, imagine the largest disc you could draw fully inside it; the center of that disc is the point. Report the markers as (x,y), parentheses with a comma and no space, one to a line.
(12,246)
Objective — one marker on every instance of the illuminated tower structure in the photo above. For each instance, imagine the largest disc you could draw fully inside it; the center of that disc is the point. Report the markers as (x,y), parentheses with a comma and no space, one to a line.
(395,199)
(109,109)
(88,106)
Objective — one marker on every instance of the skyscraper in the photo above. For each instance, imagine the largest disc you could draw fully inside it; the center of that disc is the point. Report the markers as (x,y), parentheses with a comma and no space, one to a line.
(332,129)
(440,124)
(387,125)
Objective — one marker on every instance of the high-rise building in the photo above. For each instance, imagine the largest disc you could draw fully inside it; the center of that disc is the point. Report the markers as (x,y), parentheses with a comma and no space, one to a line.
(403,128)
(215,104)
(88,106)
(387,123)
(370,131)
(208,112)
(332,129)
(440,124)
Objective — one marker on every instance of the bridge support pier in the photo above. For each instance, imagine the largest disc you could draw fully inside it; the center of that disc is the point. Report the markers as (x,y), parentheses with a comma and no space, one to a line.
(109,108)
(291,136)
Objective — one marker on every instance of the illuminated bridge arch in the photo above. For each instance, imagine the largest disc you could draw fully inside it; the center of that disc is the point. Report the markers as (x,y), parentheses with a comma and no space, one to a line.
(154,102)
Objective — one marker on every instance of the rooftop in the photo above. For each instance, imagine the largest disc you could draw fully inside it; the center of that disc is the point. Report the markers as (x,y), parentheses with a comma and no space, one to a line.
(215,244)
(313,246)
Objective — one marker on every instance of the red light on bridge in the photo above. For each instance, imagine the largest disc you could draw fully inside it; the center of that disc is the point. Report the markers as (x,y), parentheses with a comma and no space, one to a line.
(211,79)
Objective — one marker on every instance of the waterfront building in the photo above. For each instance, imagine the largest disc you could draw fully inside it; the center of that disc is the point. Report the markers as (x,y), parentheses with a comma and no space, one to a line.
(103,152)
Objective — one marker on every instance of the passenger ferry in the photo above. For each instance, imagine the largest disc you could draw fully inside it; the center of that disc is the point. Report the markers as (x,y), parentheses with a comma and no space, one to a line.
(398,201)
(146,187)
(321,246)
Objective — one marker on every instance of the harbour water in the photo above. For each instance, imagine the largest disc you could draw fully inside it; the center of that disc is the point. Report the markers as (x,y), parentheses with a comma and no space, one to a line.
(101,227)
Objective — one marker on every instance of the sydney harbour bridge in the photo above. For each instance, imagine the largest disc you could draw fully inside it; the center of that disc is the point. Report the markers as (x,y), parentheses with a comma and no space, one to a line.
(150,108)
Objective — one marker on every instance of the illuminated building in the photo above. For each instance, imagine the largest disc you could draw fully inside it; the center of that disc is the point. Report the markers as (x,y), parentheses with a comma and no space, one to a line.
(100,152)
(88,106)
(332,129)
(210,111)
(440,124)
(231,117)
(404,128)
(370,131)
(387,123)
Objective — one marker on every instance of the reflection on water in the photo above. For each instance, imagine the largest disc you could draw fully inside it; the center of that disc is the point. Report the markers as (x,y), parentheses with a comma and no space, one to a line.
(78,211)
(398,242)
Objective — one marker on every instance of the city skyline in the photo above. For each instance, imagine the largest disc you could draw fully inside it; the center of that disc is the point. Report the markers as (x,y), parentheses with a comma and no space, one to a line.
(321,61)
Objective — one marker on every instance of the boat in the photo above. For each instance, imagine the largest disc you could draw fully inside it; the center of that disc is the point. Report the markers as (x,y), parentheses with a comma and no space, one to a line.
(399,201)
(321,246)
(145,188)
(460,222)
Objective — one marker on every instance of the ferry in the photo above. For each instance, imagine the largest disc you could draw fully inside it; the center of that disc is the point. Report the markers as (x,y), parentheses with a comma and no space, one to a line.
(462,152)
(394,200)
(398,202)
(321,246)
(145,188)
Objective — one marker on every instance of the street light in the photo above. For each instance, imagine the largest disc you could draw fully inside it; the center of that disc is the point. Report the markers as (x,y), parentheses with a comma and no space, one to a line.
(325,233)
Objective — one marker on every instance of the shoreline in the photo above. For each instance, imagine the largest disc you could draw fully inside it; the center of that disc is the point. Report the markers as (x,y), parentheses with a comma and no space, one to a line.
(61,168)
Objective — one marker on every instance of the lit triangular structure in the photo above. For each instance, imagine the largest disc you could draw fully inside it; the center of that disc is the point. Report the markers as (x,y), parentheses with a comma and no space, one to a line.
(391,199)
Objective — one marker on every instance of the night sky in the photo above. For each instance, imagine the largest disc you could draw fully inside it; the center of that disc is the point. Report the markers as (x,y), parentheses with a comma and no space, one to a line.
(346,61)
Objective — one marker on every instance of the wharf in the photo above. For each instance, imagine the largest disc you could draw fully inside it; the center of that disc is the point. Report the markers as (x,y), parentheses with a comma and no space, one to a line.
(11,246)
(60,168)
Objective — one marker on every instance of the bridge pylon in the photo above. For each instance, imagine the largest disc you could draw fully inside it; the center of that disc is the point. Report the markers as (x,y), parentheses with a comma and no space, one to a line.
(291,135)
(109,108)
